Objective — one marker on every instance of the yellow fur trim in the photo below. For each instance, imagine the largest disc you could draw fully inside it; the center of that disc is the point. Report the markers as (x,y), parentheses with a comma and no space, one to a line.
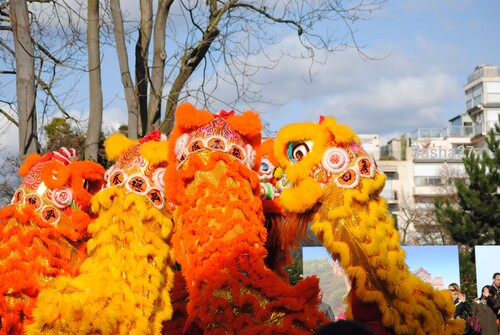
(155,152)
(125,279)
(116,144)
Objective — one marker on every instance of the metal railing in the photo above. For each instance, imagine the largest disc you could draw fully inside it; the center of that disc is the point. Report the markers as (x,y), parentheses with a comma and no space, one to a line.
(452,131)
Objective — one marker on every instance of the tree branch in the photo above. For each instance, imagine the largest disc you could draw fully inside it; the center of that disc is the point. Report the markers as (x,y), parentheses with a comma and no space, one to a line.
(47,89)
(262,11)
(10,118)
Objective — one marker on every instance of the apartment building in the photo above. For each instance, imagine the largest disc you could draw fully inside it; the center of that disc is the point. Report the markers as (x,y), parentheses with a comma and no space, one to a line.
(420,165)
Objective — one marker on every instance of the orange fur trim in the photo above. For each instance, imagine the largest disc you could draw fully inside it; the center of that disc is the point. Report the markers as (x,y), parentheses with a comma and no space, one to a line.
(32,252)
(87,178)
(249,125)
(29,162)
(80,221)
(267,149)
(54,174)
(232,253)
(187,117)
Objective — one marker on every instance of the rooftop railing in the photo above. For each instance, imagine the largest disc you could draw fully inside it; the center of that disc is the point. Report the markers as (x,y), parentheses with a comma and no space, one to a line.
(451,131)
(483,72)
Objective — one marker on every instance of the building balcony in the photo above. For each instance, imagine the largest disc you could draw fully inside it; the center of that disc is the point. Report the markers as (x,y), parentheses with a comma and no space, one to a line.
(442,133)
(426,133)
(428,190)
(484,128)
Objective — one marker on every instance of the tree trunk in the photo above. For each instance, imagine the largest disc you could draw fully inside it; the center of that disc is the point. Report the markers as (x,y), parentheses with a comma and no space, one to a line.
(25,79)
(128,85)
(141,63)
(95,87)
(189,62)
(158,70)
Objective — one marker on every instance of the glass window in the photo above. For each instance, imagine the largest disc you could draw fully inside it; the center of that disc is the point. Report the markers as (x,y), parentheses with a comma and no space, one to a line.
(493,97)
(477,100)
(428,181)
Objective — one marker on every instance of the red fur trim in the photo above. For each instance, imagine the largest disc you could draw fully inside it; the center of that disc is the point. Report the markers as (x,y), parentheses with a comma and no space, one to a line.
(179,297)
(29,162)
(272,207)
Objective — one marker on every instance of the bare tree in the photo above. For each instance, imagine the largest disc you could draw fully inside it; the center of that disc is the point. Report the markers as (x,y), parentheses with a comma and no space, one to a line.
(217,40)
(9,179)
(141,62)
(225,35)
(51,49)
(95,86)
(121,48)
(25,78)
(417,224)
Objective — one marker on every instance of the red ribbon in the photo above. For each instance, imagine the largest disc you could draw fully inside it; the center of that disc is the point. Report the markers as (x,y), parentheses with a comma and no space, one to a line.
(225,114)
(155,135)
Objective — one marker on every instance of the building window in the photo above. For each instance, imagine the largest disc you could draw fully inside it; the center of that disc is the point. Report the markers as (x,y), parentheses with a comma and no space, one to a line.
(468,99)
(493,97)
(429,181)
(477,100)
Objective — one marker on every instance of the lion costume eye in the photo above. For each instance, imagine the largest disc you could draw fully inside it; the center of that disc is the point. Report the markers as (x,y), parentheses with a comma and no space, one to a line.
(266,167)
(297,151)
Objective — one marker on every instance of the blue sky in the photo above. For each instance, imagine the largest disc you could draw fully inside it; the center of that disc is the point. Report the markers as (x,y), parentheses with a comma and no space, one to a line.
(426,50)
(430,47)
(487,263)
(439,261)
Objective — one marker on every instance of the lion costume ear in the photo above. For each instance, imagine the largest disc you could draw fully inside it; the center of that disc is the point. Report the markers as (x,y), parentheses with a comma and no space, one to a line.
(29,162)
(187,117)
(116,144)
(342,133)
(249,125)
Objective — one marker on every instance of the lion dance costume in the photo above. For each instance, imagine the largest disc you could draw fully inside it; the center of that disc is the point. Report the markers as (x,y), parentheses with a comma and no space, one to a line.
(219,231)
(43,231)
(337,185)
(123,285)
(280,240)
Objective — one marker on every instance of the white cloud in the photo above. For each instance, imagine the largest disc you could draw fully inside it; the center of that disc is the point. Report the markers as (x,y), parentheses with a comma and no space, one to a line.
(9,139)
(113,118)
(396,94)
